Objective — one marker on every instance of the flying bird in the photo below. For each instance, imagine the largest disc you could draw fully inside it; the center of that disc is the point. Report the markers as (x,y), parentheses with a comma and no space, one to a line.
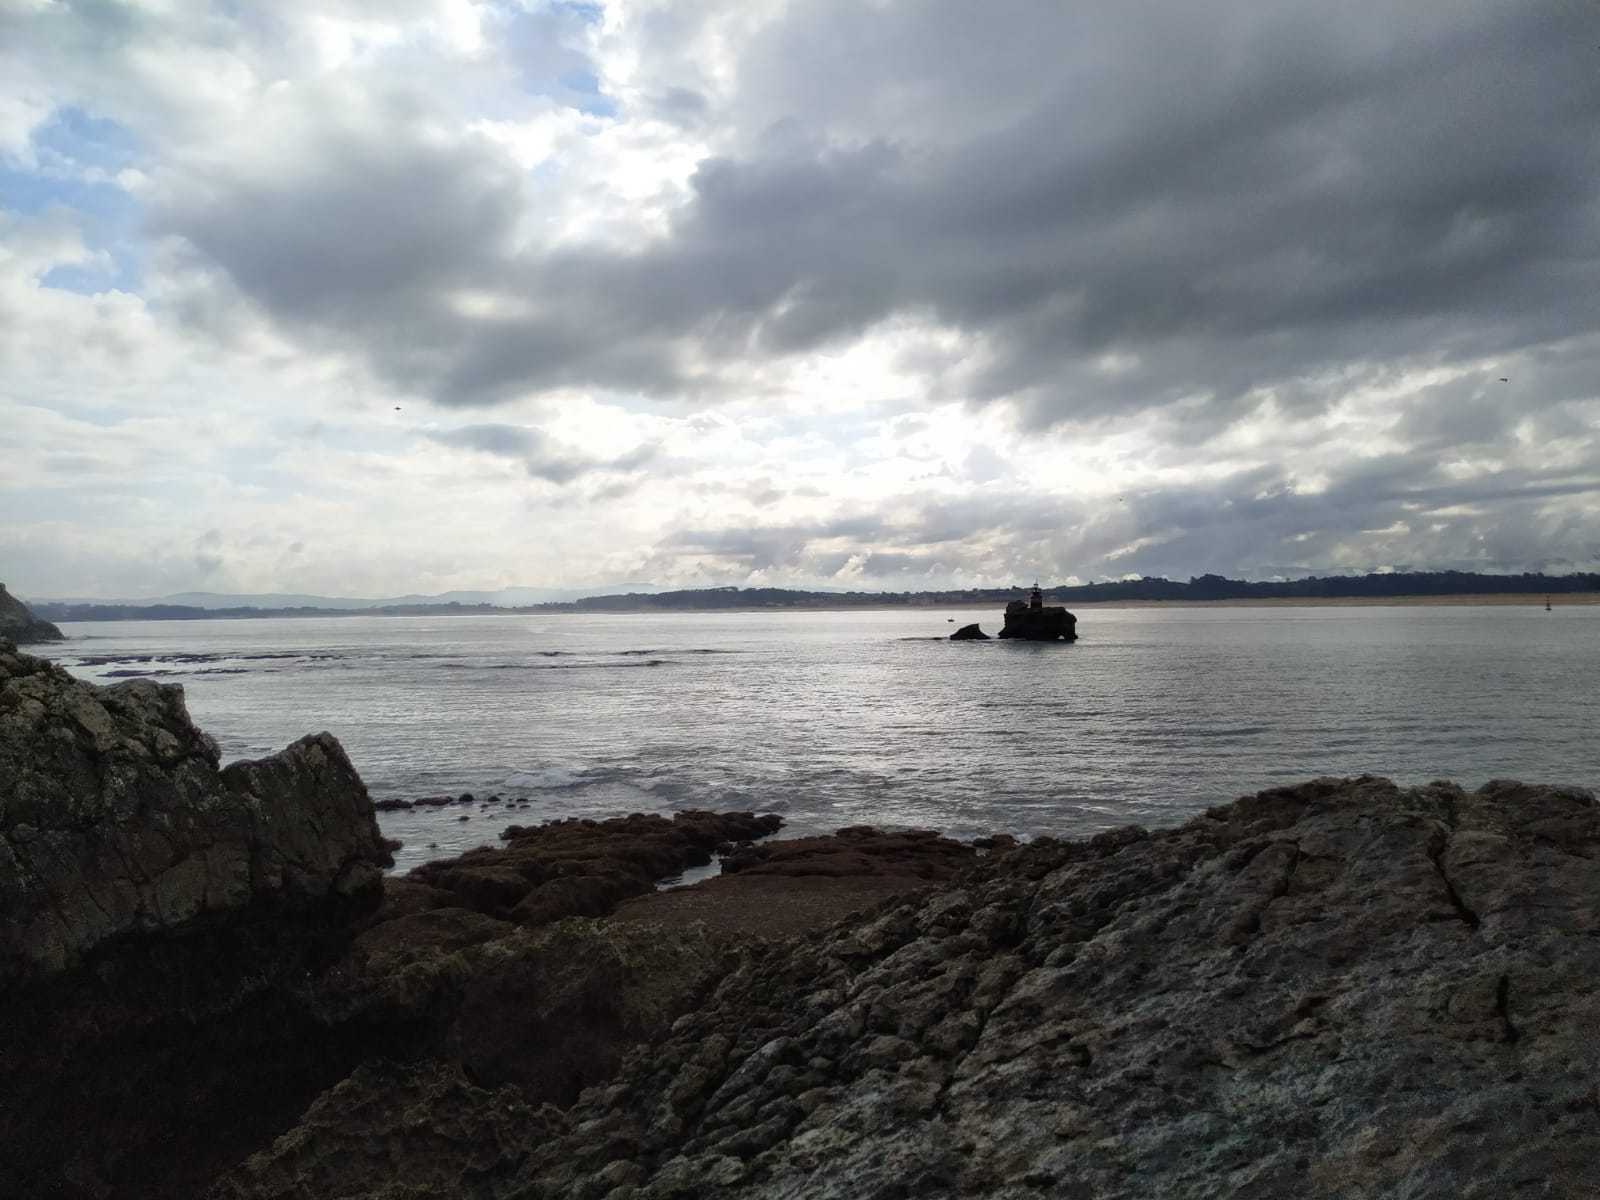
(1503,379)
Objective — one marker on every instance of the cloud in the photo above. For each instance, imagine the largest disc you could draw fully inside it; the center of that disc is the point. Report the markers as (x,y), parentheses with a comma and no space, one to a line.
(1300,190)
(798,292)
(542,457)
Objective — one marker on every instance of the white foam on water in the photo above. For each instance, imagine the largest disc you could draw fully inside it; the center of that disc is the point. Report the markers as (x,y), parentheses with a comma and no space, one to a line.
(542,779)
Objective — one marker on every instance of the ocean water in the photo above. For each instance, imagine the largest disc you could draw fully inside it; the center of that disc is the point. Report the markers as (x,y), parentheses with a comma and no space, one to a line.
(874,717)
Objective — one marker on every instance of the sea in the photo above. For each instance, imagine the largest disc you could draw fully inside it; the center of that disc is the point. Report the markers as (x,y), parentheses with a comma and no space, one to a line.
(874,717)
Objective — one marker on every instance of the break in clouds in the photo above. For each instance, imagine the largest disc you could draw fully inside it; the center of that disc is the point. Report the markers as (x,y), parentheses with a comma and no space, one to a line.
(359,299)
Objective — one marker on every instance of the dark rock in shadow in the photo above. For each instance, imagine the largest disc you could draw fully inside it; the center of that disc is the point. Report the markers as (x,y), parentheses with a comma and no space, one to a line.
(154,909)
(19,625)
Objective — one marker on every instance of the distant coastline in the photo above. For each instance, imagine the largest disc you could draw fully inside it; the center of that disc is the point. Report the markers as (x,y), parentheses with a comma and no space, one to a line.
(1386,589)
(1460,600)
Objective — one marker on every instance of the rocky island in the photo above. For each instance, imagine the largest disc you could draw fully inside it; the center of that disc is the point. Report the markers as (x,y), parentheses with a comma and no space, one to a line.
(1036,621)
(208,987)
(1032,620)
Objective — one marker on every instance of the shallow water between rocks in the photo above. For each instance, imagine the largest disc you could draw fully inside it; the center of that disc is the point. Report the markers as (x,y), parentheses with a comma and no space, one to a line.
(874,717)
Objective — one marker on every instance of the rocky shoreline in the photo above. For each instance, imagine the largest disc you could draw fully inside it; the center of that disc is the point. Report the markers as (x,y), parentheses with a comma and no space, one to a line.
(208,987)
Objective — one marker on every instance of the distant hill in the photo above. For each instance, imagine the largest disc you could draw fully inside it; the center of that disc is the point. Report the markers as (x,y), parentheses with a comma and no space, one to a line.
(232,602)
(21,625)
(1204,587)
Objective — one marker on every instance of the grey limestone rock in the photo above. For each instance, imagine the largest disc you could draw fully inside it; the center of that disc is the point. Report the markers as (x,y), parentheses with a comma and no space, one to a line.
(1339,989)
(116,819)
(1332,990)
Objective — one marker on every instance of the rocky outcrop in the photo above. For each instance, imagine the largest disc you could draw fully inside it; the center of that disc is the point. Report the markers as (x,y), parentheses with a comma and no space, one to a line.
(1337,989)
(1047,623)
(19,625)
(969,633)
(115,820)
(152,906)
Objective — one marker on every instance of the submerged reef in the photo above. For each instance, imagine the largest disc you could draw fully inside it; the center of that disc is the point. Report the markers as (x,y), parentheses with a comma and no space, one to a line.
(1341,988)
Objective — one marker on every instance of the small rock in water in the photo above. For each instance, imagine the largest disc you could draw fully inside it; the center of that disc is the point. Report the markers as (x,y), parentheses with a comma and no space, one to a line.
(464,817)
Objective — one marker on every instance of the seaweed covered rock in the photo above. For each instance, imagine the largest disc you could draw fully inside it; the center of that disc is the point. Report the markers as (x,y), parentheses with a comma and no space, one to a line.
(582,867)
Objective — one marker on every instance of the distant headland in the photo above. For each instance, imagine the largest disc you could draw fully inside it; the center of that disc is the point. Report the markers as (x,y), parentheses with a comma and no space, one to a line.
(1385,587)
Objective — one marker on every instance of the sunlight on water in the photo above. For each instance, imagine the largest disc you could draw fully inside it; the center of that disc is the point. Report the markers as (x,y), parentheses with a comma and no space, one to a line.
(874,717)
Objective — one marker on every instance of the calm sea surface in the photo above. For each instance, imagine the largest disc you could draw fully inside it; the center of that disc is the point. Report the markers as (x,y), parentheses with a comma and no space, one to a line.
(845,718)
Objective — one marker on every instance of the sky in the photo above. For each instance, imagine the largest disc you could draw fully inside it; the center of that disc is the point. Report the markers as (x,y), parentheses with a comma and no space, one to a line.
(343,298)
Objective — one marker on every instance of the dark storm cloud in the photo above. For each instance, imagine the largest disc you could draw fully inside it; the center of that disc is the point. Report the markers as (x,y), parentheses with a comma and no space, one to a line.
(1228,197)
(359,234)
(541,456)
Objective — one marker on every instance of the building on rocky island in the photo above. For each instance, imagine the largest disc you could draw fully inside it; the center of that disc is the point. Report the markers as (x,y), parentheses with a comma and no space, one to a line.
(1036,621)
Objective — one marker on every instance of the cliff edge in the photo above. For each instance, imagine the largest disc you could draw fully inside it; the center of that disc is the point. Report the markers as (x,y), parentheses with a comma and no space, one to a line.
(20,625)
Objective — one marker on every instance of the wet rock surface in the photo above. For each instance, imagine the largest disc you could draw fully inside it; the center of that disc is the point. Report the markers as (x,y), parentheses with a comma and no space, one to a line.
(918,854)
(777,889)
(1337,989)
(19,625)
(582,867)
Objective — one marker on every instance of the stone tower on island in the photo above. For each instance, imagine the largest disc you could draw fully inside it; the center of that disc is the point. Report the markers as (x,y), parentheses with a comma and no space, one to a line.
(1037,621)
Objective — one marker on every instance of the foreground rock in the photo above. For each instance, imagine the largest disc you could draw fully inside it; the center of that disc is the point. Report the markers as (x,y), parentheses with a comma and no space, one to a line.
(19,625)
(116,820)
(150,906)
(1337,989)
